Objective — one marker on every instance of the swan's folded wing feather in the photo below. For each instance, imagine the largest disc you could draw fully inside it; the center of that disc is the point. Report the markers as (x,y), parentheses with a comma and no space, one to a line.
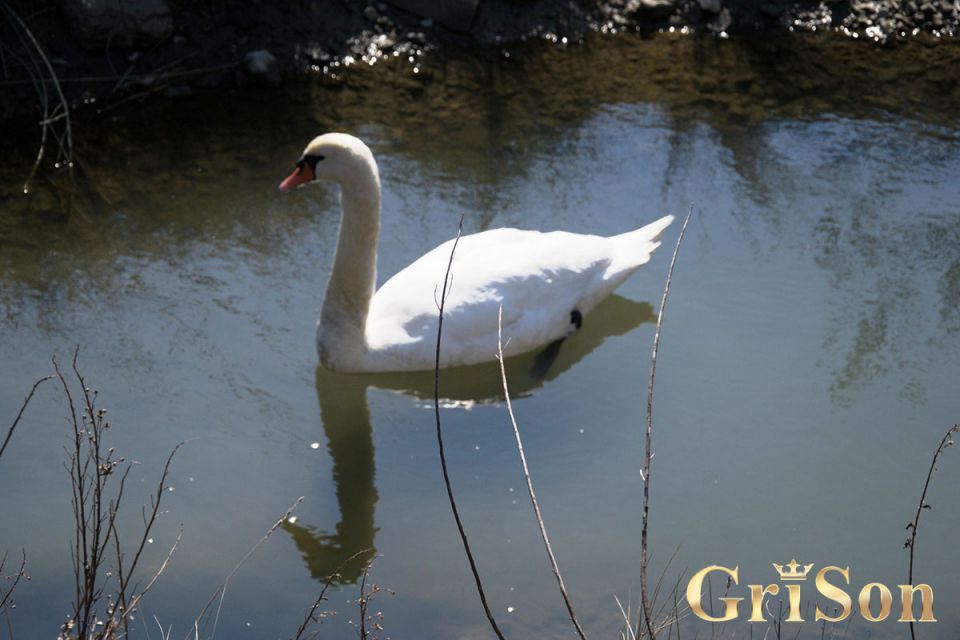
(539,278)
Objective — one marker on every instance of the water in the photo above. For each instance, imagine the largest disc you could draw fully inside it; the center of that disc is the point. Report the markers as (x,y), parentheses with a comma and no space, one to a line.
(807,371)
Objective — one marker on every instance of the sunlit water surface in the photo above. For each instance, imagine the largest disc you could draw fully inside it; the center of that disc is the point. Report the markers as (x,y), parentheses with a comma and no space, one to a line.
(808,368)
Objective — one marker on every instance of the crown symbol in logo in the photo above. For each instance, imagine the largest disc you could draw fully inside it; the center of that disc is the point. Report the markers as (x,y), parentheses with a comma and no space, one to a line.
(791,571)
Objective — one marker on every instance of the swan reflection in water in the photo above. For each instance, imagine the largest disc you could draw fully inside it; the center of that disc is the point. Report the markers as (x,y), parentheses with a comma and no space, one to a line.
(346,423)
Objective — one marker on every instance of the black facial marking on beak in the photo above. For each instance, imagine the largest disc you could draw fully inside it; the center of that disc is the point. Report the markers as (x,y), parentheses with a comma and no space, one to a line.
(311,161)
(576,318)
(308,161)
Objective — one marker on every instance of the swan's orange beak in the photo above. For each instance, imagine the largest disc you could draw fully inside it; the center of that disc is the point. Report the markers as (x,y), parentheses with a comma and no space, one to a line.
(301,175)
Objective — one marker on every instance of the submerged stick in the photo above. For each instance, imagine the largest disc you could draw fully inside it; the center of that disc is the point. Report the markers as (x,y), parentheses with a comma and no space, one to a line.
(443,457)
(526,475)
(947,441)
(648,456)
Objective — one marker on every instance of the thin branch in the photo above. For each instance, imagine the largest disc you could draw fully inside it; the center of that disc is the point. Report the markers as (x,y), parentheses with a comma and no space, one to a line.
(221,591)
(443,457)
(39,86)
(124,606)
(648,456)
(363,604)
(947,441)
(68,154)
(20,574)
(114,78)
(135,601)
(96,501)
(627,622)
(526,475)
(23,407)
(326,585)
(155,507)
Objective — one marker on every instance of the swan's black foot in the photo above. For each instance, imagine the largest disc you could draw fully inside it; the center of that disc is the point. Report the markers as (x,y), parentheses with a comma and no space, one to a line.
(545,359)
(576,321)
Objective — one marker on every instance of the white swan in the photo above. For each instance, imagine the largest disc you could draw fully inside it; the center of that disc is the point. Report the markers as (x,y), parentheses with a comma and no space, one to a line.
(546,282)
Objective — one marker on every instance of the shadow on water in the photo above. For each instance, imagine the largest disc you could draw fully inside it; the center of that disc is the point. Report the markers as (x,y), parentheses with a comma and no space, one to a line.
(346,423)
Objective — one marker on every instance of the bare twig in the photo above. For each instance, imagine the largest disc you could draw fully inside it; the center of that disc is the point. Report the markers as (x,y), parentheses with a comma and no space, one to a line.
(667,615)
(163,565)
(648,455)
(23,407)
(627,622)
(526,475)
(912,526)
(65,153)
(96,502)
(443,457)
(367,594)
(124,579)
(363,604)
(155,78)
(5,595)
(113,78)
(35,73)
(323,592)
(221,591)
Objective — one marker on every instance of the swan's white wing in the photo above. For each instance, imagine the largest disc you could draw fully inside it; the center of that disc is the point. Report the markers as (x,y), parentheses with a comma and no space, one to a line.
(539,278)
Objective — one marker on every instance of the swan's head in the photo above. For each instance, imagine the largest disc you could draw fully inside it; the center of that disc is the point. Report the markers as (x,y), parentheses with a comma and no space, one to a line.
(339,157)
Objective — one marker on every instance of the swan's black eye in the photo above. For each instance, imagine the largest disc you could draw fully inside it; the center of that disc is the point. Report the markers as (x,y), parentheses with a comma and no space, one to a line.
(312,161)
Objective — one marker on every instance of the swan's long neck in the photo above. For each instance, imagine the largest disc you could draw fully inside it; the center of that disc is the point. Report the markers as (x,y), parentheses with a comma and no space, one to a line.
(343,319)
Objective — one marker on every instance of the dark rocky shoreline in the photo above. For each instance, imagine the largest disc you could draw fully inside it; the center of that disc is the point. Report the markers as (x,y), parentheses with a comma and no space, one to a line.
(152,47)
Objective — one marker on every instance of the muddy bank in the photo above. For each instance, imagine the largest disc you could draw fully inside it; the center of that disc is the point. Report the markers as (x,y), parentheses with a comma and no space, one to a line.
(107,54)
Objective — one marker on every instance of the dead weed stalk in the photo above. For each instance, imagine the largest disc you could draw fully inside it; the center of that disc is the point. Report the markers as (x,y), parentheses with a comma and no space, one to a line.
(106,594)
(647,610)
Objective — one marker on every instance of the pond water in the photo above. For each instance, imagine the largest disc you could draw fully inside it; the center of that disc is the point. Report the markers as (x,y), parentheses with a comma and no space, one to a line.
(808,365)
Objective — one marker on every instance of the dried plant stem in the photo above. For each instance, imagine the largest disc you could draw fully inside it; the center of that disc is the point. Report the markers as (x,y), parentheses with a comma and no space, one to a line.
(6,595)
(443,457)
(912,526)
(627,622)
(648,455)
(526,475)
(96,501)
(63,108)
(221,591)
(363,604)
(113,78)
(149,518)
(323,592)
(23,407)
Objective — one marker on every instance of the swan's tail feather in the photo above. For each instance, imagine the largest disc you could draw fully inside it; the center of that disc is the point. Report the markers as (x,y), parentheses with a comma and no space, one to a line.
(634,248)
